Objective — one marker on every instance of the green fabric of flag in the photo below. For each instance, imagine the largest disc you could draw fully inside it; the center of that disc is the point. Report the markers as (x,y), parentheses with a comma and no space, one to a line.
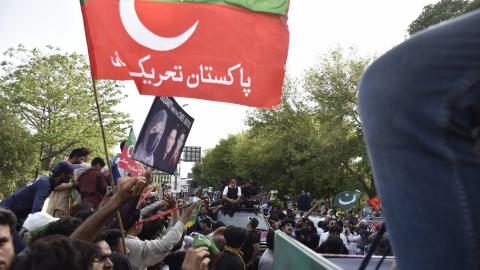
(291,254)
(347,199)
(279,7)
(200,240)
(192,219)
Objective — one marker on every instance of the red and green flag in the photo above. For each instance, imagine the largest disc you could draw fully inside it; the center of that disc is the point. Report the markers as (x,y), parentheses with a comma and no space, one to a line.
(224,50)
(132,167)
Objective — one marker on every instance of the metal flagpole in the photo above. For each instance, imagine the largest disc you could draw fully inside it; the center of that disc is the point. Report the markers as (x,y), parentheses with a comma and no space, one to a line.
(110,179)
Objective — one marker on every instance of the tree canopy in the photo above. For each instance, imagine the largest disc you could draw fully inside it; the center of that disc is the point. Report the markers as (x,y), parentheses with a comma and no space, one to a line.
(312,142)
(48,98)
(441,11)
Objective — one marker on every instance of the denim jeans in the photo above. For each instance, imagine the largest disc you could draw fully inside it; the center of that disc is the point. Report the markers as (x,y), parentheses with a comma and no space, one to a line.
(419,105)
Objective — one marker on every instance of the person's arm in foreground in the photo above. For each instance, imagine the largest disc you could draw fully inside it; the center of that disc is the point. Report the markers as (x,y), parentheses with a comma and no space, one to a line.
(129,187)
(153,251)
(196,259)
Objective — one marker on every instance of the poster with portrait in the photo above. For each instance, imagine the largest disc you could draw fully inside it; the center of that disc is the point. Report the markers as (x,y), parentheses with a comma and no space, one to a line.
(163,135)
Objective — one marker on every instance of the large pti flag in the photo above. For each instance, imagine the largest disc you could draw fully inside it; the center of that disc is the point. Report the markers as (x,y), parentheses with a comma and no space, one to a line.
(224,50)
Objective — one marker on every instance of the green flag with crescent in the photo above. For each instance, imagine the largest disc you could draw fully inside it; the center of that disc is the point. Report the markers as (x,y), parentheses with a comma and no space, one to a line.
(347,199)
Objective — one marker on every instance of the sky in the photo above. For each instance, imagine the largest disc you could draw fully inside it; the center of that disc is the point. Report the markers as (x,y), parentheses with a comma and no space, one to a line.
(316,26)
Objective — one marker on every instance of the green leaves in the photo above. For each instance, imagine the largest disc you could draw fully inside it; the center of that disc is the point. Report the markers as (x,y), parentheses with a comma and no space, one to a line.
(312,142)
(51,93)
(17,158)
(441,11)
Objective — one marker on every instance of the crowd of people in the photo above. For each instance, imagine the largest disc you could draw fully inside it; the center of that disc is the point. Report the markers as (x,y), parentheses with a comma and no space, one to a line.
(341,233)
(334,233)
(86,225)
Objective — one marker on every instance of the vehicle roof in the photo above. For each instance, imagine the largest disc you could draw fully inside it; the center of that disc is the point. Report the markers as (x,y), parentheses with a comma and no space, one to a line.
(240,219)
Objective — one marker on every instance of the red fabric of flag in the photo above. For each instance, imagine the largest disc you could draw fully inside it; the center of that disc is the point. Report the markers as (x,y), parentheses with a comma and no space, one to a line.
(200,50)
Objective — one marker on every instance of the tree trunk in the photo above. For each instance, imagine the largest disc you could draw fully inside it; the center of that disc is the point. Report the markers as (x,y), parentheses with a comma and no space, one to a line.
(37,171)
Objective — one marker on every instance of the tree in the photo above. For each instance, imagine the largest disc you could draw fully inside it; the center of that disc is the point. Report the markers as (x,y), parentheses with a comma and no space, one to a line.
(332,92)
(441,11)
(52,95)
(18,155)
(217,165)
(312,142)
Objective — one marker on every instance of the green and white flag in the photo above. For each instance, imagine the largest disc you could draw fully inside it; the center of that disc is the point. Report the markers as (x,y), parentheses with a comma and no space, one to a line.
(347,199)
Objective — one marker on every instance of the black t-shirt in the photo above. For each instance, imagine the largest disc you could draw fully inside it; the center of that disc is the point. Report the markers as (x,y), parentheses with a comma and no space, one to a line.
(174,260)
(120,261)
(251,237)
(228,261)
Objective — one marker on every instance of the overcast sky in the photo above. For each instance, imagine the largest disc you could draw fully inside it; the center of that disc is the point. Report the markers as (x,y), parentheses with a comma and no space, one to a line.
(316,26)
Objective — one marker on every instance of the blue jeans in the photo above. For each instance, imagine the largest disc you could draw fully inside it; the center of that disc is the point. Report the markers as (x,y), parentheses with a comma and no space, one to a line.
(419,105)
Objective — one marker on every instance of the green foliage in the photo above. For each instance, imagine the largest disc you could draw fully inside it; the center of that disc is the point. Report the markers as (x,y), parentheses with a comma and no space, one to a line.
(18,155)
(473,5)
(312,142)
(51,95)
(441,11)
(217,165)
(332,88)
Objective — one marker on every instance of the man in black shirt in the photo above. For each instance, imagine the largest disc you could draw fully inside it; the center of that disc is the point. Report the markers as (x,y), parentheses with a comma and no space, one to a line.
(231,257)
(251,243)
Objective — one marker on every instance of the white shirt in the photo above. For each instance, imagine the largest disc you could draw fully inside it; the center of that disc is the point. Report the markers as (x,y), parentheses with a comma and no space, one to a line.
(150,252)
(266,261)
(320,232)
(354,241)
(225,191)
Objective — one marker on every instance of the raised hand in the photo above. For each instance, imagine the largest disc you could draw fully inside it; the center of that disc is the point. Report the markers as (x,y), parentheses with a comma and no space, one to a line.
(196,259)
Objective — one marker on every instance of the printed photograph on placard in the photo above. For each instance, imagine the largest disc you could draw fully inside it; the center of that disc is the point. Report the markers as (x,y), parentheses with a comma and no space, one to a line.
(163,135)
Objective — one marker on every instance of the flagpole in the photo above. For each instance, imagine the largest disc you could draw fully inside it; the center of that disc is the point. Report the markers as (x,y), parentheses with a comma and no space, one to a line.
(110,178)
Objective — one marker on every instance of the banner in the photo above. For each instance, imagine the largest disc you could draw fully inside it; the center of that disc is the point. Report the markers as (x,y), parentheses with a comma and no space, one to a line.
(291,254)
(131,167)
(224,50)
(163,135)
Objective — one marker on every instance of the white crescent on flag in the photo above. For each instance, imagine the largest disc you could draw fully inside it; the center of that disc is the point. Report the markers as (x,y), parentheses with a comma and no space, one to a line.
(145,37)
(348,202)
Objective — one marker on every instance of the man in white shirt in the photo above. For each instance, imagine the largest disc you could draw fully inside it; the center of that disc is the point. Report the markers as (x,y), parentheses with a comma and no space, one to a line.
(150,252)
(266,261)
(231,196)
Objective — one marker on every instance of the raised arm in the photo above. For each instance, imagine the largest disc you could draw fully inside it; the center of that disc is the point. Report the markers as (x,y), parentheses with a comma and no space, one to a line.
(309,212)
(129,187)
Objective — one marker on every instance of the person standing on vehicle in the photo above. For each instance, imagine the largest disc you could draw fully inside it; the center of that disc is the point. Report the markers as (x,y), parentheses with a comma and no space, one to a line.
(231,196)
